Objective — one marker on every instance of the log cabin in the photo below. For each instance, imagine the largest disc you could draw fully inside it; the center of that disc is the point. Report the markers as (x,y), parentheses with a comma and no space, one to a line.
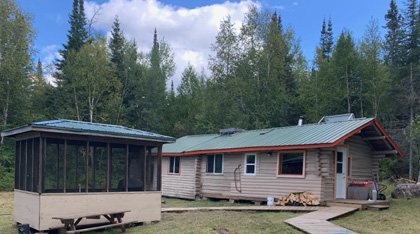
(74,168)
(321,158)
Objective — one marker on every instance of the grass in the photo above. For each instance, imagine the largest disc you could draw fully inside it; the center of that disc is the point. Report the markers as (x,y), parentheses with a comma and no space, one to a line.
(401,217)
(6,213)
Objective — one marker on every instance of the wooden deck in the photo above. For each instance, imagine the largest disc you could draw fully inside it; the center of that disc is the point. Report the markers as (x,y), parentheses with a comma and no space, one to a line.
(360,204)
(317,222)
(245,208)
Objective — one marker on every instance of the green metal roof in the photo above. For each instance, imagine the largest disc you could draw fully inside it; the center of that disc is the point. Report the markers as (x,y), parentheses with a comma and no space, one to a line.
(80,126)
(307,134)
(185,143)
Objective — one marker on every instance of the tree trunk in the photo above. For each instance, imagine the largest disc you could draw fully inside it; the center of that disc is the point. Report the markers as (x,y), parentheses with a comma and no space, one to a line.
(6,111)
(410,158)
(76,103)
(348,90)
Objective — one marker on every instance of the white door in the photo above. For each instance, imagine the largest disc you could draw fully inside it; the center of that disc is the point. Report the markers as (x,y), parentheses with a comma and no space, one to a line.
(340,173)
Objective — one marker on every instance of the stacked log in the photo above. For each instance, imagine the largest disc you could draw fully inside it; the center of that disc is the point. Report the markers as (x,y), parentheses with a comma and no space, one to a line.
(298,199)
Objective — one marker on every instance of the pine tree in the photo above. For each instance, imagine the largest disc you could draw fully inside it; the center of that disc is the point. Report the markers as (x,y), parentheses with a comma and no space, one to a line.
(393,37)
(77,34)
(153,86)
(116,44)
(329,41)
(281,86)
(223,66)
(66,93)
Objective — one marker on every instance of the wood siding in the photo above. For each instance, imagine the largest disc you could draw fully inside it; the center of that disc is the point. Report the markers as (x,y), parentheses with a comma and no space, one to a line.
(265,183)
(319,178)
(26,208)
(38,210)
(361,159)
(182,185)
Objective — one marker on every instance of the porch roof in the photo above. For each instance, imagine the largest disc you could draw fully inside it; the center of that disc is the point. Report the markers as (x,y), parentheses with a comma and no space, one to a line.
(80,127)
(318,135)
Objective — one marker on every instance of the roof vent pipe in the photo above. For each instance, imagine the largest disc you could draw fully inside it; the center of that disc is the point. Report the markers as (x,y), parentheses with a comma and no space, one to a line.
(300,121)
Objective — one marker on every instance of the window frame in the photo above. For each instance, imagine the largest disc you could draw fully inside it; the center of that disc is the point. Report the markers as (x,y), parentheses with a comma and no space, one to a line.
(169,165)
(246,164)
(279,163)
(214,164)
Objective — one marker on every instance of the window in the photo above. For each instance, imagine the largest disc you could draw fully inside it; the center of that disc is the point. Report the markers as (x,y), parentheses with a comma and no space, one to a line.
(291,164)
(215,163)
(174,165)
(250,164)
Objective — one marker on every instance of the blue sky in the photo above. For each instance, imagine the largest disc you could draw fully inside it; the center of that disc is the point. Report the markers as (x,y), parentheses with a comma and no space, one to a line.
(190,26)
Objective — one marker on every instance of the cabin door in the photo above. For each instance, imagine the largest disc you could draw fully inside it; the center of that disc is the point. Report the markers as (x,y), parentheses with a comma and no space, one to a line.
(340,173)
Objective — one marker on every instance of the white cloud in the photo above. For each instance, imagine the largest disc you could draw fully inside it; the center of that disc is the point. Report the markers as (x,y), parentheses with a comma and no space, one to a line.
(190,32)
(58,18)
(295,4)
(49,48)
(280,7)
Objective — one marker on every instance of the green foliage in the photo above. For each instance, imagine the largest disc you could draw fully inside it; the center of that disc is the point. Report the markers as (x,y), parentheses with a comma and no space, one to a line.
(16,40)
(7,169)
(152,88)
(94,82)
(387,167)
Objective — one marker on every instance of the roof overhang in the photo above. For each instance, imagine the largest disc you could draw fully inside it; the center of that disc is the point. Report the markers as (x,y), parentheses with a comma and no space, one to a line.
(30,128)
(374,122)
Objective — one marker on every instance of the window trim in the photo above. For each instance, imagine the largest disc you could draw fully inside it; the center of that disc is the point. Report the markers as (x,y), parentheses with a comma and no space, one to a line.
(246,164)
(169,163)
(214,164)
(291,175)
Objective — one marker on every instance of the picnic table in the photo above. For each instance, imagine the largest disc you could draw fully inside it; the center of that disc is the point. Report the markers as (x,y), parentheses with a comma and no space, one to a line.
(114,218)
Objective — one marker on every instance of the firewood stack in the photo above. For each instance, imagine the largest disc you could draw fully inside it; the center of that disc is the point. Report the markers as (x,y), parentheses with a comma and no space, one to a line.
(298,199)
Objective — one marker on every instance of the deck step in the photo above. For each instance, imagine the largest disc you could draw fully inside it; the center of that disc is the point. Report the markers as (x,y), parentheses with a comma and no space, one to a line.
(378,207)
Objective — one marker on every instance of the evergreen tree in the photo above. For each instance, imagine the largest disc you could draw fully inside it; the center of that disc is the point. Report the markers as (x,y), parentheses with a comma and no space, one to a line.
(77,34)
(66,93)
(329,41)
(393,38)
(132,77)
(153,86)
(116,46)
(412,50)
(223,67)
(280,96)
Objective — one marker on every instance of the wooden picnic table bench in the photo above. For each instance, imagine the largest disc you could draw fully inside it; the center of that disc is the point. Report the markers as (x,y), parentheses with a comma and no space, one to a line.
(71,222)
